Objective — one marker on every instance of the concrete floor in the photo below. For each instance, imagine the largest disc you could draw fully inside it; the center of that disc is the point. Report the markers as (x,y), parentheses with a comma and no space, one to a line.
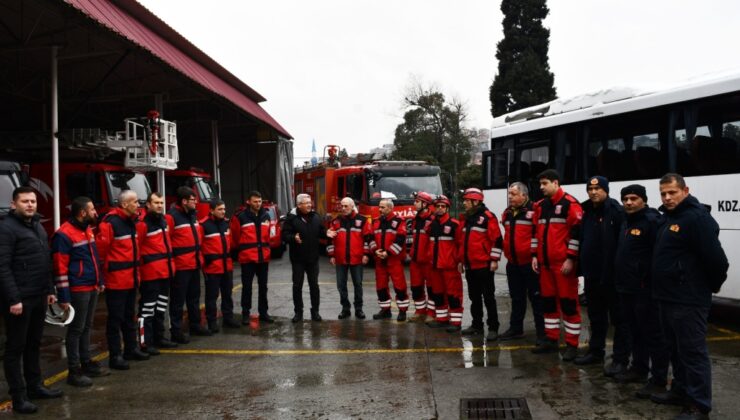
(356,369)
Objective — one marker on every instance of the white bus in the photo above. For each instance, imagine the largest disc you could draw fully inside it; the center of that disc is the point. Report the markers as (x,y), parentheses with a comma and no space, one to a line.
(631,137)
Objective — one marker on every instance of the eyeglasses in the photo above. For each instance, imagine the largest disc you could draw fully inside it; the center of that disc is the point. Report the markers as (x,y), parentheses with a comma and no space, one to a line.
(441,206)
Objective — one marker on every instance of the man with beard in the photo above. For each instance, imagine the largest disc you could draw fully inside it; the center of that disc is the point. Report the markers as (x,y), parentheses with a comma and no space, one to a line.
(419,268)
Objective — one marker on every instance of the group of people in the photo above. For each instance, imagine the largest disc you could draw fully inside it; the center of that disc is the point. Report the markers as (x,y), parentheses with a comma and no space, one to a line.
(650,274)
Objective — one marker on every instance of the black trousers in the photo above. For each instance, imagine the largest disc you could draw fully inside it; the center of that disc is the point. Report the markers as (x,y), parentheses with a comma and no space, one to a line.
(24,334)
(121,311)
(152,307)
(685,329)
(650,352)
(185,290)
(77,342)
(223,284)
(248,272)
(524,283)
(311,270)
(343,271)
(603,308)
(481,289)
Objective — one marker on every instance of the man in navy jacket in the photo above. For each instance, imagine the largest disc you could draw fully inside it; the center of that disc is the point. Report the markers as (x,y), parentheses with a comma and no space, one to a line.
(689,264)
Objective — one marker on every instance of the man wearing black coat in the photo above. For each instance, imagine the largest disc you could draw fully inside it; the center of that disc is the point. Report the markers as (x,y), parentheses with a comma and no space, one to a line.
(602,217)
(689,265)
(302,230)
(632,264)
(26,281)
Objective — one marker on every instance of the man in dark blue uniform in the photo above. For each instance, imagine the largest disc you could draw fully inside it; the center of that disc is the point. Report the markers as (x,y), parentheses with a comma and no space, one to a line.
(688,265)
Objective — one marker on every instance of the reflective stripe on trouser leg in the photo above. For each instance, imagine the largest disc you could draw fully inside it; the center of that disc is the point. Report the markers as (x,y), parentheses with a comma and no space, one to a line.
(395,269)
(430,303)
(550,304)
(569,306)
(419,274)
(454,289)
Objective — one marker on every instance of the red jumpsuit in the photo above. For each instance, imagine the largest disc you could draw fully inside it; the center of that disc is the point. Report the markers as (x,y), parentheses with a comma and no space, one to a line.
(558,220)
(390,235)
(419,267)
(445,235)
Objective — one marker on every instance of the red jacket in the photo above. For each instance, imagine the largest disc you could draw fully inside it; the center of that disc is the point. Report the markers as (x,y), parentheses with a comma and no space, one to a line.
(157,261)
(481,239)
(558,223)
(519,229)
(250,234)
(351,243)
(216,246)
(76,262)
(118,247)
(445,235)
(389,234)
(187,237)
(420,237)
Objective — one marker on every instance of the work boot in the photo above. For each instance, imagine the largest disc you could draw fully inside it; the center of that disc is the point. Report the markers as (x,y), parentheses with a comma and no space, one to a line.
(77,378)
(344,314)
(589,359)
(546,346)
(266,319)
(315,317)
(213,326)
(298,317)
(245,318)
(21,405)
(614,368)
(93,369)
(136,354)
(492,334)
(197,329)
(570,353)
(230,323)
(437,324)
(165,344)
(511,335)
(118,362)
(692,412)
(152,351)
(401,317)
(359,314)
(630,376)
(453,328)
(472,330)
(649,389)
(383,314)
(41,392)
(669,397)
(180,338)
(418,317)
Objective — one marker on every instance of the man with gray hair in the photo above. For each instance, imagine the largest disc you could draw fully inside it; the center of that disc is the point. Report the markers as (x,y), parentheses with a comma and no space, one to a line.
(523,281)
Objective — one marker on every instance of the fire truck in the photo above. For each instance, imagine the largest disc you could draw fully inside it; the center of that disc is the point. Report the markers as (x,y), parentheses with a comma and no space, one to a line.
(367,182)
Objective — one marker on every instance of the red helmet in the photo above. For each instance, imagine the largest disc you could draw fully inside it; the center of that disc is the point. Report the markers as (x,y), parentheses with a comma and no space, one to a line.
(473,194)
(442,199)
(424,197)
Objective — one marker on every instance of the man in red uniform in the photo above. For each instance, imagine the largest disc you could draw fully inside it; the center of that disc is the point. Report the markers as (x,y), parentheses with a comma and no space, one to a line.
(389,247)
(444,245)
(555,250)
(348,252)
(250,230)
(157,271)
(78,277)
(419,267)
(118,246)
(480,252)
(187,237)
(218,266)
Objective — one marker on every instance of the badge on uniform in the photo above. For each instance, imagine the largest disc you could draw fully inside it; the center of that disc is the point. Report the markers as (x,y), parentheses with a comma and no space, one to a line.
(394,224)
(674,228)
(558,209)
(481,219)
(636,232)
(447,229)
(529,215)
(358,223)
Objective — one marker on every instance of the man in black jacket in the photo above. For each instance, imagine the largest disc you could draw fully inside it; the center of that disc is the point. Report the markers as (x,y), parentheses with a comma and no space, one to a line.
(689,264)
(302,230)
(26,281)
(602,217)
(632,261)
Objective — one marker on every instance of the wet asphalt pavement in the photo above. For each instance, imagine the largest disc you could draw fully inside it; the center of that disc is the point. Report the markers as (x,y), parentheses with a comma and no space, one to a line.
(356,369)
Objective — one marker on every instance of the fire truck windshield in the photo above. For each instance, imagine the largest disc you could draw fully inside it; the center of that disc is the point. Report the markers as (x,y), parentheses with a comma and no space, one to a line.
(401,189)
(119,181)
(8,182)
(204,188)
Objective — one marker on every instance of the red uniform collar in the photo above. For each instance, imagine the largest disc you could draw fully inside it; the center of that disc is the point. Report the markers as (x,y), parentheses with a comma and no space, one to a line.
(559,194)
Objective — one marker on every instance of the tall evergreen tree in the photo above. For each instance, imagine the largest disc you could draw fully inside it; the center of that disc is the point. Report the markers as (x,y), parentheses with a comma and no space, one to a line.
(524,78)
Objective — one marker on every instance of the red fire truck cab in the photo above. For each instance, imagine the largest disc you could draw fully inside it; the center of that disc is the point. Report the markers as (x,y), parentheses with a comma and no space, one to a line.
(195,178)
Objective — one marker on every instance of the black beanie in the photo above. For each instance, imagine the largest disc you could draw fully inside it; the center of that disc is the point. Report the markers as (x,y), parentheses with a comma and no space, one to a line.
(635,189)
(600,181)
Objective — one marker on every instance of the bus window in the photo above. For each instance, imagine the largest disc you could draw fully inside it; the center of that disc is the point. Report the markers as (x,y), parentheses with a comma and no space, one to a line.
(532,162)
(685,164)
(646,156)
(606,158)
(709,151)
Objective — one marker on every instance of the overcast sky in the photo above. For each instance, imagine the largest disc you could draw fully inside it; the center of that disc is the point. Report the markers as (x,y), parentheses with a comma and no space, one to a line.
(336,70)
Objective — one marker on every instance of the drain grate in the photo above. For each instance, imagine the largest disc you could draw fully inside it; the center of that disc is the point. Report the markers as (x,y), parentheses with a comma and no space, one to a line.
(494,408)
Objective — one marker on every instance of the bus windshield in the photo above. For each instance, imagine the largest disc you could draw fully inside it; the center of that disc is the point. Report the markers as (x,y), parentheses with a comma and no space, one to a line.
(119,181)
(401,189)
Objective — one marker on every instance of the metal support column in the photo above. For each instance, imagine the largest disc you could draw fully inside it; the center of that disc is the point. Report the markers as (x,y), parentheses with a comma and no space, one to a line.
(160,173)
(54,139)
(216,157)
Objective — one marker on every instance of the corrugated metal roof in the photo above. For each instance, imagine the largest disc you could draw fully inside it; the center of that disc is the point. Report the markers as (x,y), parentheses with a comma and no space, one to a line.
(134,22)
